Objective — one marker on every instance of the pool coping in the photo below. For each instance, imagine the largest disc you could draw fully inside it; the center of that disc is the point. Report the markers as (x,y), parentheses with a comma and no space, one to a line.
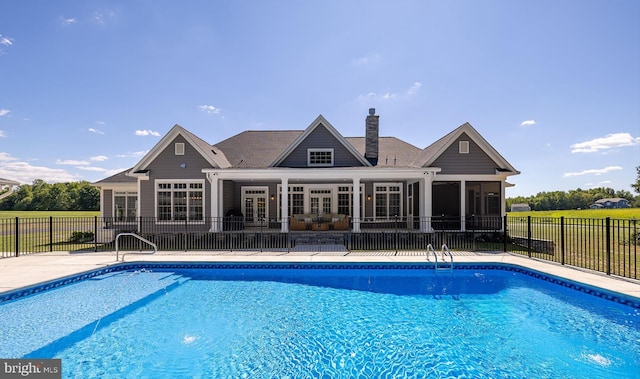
(41,270)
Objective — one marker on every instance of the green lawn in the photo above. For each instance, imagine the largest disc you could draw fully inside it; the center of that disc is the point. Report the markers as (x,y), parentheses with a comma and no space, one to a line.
(622,213)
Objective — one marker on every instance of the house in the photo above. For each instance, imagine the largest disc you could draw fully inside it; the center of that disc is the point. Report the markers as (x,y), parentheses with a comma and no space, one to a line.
(520,208)
(615,202)
(8,186)
(294,179)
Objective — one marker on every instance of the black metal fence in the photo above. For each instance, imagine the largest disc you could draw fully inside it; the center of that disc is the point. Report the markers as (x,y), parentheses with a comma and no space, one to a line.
(606,245)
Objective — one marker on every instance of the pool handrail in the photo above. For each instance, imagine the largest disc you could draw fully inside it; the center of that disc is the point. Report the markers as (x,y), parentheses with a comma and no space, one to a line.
(433,251)
(445,251)
(153,245)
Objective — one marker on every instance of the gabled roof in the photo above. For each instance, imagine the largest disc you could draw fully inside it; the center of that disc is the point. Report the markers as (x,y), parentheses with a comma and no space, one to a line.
(212,154)
(392,152)
(120,177)
(320,121)
(256,148)
(433,151)
(8,182)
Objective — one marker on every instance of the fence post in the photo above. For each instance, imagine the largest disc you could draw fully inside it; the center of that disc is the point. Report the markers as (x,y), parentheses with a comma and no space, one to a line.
(608,242)
(17,238)
(504,234)
(50,233)
(529,236)
(186,234)
(562,240)
(95,233)
(396,233)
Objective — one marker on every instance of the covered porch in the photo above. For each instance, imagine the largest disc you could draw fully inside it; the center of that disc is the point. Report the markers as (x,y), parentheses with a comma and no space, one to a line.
(322,199)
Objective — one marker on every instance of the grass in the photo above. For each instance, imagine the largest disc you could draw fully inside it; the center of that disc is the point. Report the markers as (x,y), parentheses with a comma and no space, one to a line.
(621,213)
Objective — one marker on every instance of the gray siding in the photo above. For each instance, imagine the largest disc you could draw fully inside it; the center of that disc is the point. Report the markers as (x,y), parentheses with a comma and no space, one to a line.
(477,162)
(167,166)
(320,138)
(107,203)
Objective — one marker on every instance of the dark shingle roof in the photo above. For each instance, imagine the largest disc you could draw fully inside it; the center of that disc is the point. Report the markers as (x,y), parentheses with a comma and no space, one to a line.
(256,149)
(392,152)
(120,177)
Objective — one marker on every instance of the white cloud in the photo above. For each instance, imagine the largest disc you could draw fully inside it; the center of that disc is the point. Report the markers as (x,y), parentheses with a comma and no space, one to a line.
(595,171)
(2,135)
(368,60)
(101,123)
(99,158)
(71,162)
(104,17)
(24,172)
(373,96)
(68,21)
(6,157)
(210,109)
(135,154)
(96,131)
(528,122)
(6,41)
(414,88)
(4,112)
(145,133)
(92,168)
(610,141)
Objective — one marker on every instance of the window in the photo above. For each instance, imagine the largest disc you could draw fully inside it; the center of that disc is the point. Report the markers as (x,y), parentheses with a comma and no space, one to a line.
(345,200)
(388,200)
(296,200)
(179,201)
(463,147)
(125,206)
(179,148)
(320,157)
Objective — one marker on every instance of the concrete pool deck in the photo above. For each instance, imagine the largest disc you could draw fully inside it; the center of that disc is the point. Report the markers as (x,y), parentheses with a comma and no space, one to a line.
(38,268)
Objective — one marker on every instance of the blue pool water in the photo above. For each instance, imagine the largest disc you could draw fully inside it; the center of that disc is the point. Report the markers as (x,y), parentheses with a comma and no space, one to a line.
(324,321)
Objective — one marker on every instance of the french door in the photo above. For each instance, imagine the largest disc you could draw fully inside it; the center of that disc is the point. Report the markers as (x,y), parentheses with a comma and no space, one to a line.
(320,201)
(254,205)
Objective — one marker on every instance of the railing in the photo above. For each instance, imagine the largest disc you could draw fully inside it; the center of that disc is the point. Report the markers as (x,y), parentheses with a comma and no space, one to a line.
(606,245)
(153,245)
(431,250)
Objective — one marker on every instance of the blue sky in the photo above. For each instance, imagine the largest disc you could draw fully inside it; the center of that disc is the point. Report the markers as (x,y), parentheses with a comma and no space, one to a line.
(88,87)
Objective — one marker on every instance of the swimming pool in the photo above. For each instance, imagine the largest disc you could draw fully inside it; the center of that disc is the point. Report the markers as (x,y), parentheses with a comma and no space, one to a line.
(323,320)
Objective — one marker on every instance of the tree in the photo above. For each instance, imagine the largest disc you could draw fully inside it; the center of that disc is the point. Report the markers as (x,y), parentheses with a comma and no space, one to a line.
(636,185)
(74,196)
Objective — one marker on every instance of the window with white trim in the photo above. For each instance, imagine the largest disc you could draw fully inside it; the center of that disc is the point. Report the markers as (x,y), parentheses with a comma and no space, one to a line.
(320,157)
(388,200)
(180,200)
(345,200)
(125,205)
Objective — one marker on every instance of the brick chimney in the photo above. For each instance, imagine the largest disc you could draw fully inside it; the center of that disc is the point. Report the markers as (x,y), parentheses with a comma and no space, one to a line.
(371,137)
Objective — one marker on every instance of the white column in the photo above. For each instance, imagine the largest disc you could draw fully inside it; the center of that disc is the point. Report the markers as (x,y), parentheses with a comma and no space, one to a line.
(216,222)
(284,205)
(356,205)
(463,204)
(426,206)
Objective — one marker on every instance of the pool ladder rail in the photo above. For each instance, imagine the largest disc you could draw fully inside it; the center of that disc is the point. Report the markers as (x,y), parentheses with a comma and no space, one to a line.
(444,252)
(153,245)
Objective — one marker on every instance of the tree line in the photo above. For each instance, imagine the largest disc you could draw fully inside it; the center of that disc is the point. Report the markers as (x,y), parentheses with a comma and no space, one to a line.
(573,199)
(42,196)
